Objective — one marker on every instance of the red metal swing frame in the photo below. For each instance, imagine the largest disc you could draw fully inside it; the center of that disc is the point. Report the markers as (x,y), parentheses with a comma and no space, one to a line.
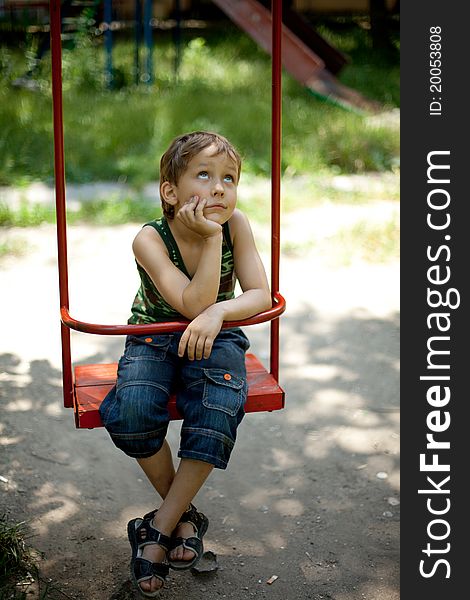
(85,386)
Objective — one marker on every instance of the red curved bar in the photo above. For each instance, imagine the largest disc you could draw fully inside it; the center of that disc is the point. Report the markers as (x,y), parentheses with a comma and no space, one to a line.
(168,326)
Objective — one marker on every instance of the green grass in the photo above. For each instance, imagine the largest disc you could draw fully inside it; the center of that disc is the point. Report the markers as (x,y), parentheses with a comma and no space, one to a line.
(374,73)
(98,212)
(298,191)
(13,247)
(17,560)
(373,243)
(26,215)
(20,576)
(303,191)
(366,242)
(224,84)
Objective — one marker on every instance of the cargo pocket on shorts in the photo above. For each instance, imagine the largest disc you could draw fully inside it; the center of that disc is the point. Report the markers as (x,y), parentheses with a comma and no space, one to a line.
(223,391)
(150,347)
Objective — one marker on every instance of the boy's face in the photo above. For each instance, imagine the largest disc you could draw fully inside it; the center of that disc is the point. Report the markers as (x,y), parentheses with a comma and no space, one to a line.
(212,177)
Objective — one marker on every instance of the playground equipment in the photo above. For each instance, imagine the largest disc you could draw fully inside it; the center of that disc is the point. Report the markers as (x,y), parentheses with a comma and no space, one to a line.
(299,59)
(142,25)
(84,387)
(306,55)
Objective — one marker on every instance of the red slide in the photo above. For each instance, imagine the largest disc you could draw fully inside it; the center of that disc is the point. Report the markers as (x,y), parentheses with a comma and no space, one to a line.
(298,59)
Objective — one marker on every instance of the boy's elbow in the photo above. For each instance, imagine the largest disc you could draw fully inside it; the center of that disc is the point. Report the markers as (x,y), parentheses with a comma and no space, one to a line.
(191,310)
(194,307)
(267,301)
(188,314)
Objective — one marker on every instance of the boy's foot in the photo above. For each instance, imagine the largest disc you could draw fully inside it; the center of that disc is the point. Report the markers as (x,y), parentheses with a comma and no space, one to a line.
(155,554)
(183,530)
(149,547)
(186,540)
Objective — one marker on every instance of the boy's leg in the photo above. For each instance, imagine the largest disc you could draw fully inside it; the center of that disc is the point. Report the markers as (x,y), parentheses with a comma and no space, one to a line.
(179,490)
(187,481)
(135,413)
(212,402)
(159,469)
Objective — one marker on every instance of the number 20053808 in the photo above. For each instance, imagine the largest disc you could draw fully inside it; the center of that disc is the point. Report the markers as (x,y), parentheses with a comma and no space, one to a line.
(435,72)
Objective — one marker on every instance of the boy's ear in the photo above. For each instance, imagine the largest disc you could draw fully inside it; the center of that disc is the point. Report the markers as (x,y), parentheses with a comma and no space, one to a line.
(168,193)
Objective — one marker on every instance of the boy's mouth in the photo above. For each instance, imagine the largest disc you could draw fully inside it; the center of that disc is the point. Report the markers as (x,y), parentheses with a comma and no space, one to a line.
(218,206)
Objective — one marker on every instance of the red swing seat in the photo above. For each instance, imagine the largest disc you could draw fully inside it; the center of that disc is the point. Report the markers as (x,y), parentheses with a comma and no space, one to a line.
(93,382)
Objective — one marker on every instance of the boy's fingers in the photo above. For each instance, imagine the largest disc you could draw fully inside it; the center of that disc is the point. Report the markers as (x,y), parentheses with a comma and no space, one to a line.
(200,348)
(199,208)
(182,212)
(208,347)
(190,346)
(181,348)
(183,342)
(187,213)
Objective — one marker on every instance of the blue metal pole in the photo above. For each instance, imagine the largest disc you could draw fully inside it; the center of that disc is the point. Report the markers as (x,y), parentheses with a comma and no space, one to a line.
(108,42)
(148,75)
(177,38)
(138,39)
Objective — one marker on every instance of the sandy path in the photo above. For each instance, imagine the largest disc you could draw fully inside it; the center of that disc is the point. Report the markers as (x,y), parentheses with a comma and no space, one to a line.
(301,498)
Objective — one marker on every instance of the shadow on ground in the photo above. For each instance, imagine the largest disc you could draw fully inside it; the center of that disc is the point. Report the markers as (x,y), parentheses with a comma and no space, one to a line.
(301,498)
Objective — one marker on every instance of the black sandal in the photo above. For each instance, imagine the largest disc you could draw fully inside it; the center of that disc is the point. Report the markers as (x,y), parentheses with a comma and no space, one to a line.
(200,523)
(141,533)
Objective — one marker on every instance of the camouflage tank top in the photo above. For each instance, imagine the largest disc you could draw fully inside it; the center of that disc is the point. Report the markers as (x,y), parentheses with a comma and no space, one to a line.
(149,306)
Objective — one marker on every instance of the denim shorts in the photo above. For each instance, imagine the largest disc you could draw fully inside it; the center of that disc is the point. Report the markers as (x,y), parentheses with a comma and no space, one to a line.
(210,396)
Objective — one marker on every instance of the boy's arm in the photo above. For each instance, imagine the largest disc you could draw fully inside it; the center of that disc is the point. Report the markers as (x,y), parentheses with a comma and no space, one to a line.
(188,296)
(250,272)
(200,334)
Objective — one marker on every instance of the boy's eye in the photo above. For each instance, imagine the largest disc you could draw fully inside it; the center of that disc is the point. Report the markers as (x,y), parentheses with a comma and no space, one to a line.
(203,174)
(229,178)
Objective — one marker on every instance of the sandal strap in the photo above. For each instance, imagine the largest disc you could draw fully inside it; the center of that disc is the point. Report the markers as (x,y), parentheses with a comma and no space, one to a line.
(192,516)
(149,516)
(194,544)
(145,569)
(147,534)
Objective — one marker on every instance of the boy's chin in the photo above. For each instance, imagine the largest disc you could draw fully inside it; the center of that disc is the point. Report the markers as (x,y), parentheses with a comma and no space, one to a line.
(217,217)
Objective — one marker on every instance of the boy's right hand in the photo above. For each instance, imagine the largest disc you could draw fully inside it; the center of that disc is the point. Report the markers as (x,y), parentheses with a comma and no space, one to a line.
(192,215)
(199,336)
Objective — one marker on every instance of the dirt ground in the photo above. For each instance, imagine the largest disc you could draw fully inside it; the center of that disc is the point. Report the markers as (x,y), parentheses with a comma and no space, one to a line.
(312,492)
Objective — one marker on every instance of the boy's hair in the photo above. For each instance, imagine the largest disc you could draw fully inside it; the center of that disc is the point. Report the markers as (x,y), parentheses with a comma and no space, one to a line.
(182,149)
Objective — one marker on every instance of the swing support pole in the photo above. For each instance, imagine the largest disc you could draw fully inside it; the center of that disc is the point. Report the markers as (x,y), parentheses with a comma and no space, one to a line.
(59,176)
(276,118)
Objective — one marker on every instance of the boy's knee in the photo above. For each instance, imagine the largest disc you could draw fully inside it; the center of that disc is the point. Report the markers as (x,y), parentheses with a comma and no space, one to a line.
(136,422)
(139,445)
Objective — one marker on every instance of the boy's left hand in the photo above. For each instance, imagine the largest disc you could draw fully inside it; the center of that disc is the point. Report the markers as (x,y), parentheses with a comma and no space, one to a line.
(192,215)
(200,334)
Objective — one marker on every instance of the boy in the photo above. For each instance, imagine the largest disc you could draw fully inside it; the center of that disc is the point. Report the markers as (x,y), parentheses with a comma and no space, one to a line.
(187,262)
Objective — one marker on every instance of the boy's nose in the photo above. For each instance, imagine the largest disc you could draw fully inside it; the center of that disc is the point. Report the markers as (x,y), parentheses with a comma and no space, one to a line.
(218,189)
